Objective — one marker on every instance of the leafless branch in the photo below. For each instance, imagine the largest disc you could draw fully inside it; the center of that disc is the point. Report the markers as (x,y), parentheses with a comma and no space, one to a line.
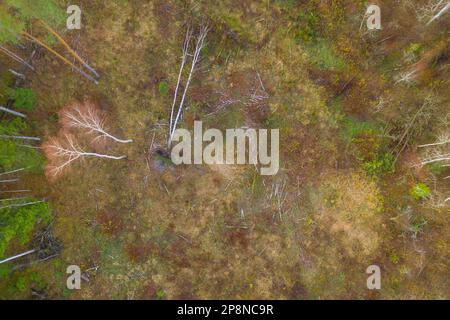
(195,58)
(62,154)
(86,116)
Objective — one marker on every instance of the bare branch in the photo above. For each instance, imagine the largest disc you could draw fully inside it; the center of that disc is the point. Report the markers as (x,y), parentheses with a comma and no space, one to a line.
(9,181)
(15,113)
(183,62)
(15,57)
(13,171)
(440,13)
(17,256)
(15,205)
(198,47)
(15,191)
(19,137)
(61,154)
(87,116)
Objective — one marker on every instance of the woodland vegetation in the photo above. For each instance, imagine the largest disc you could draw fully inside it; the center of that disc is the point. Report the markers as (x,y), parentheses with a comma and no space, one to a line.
(87,116)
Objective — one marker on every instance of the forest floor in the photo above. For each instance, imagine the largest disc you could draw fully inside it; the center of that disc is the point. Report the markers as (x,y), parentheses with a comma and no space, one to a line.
(220,231)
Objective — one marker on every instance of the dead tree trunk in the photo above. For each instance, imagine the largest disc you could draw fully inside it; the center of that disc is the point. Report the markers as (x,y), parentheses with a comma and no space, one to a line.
(195,58)
(19,137)
(87,116)
(62,153)
(15,113)
(18,256)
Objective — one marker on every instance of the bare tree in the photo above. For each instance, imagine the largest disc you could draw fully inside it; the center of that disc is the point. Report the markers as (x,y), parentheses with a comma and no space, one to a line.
(435,156)
(442,139)
(408,131)
(87,116)
(195,58)
(184,57)
(432,11)
(440,13)
(31,38)
(15,57)
(438,151)
(63,151)
(69,48)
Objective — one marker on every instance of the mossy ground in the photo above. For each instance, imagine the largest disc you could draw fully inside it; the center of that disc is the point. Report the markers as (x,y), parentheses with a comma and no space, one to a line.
(215,232)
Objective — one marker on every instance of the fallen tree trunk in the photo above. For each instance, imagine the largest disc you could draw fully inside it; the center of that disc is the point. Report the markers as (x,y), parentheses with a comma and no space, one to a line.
(15,113)
(20,137)
(18,256)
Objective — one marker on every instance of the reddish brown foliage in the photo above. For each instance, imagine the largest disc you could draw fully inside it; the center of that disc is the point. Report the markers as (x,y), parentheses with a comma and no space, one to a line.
(57,151)
(111,222)
(139,251)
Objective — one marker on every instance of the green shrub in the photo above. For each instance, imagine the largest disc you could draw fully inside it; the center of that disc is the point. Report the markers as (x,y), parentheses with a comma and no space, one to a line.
(381,164)
(15,156)
(352,128)
(9,27)
(46,10)
(420,191)
(323,55)
(394,258)
(306,27)
(24,99)
(15,14)
(19,222)
(417,225)
(21,284)
(12,155)
(5,271)
(163,88)
(13,127)
(160,294)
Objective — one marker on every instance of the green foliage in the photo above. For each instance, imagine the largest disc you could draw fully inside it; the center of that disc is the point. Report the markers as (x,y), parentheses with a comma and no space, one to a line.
(19,222)
(9,27)
(323,55)
(163,88)
(436,168)
(14,14)
(352,128)
(286,4)
(412,52)
(24,98)
(306,27)
(417,225)
(381,164)
(21,284)
(18,284)
(420,191)
(160,294)
(394,258)
(12,155)
(13,127)
(46,10)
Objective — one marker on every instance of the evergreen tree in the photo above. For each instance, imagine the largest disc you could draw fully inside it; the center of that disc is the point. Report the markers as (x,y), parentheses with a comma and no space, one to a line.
(19,222)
